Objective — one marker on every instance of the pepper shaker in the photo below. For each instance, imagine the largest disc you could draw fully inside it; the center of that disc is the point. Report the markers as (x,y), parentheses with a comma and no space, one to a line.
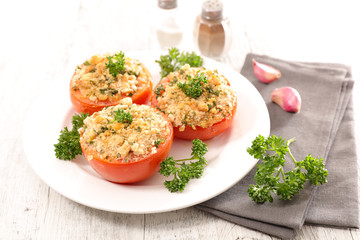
(212,31)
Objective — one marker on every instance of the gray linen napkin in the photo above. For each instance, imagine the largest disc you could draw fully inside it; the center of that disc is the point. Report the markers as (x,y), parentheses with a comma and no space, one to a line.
(323,128)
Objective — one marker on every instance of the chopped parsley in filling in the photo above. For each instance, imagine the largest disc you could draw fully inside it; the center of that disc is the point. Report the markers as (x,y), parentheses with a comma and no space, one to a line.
(195,97)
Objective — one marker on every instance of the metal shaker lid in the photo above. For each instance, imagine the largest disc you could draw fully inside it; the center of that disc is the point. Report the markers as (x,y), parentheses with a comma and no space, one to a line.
(167,4)
(212,10)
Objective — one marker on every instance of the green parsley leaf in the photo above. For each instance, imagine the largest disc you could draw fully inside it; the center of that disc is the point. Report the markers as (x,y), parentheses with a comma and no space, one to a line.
(260,193)
(121,116)
(194,86)
(110,91)
(159,90)
(316,172)
(183,170)
(68,145)
(116,63)
(270,176)
(174,60)
(158,142)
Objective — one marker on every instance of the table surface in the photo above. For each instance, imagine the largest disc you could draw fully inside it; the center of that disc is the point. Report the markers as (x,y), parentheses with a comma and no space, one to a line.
(41,41)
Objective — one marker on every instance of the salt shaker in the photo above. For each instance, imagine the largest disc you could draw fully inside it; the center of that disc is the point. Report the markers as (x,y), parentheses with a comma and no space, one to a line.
(167,28)
(212,31)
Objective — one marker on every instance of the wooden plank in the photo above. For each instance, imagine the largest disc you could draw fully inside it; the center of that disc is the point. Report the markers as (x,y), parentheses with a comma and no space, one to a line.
(65,219)
(191,223)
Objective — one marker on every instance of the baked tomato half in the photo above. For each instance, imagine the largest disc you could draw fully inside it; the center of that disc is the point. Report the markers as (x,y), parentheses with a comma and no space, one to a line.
(206,133)
(200,103)
(103,80)
(126,143)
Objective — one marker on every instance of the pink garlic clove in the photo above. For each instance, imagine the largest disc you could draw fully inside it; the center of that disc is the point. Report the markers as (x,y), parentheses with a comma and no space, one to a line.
(265,73)
(287,98)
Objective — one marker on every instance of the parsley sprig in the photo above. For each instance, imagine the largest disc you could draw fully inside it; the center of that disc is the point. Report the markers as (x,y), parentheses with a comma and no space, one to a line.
(184,170)
(174,60)
(116,63)
(194,86)
(121,116)
(270,176)
(68,145)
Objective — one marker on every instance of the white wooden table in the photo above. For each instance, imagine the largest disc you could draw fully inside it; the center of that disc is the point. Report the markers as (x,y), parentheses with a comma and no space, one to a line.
(42,40)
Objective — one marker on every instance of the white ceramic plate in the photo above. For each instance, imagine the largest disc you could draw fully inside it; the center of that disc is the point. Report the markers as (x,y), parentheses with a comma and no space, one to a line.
(228,161)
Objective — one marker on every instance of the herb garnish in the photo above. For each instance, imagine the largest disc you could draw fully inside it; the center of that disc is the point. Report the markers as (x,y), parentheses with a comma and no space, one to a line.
(183,172)
(194,86)
(159,90)
(212,91)
(116,63)
(121,116)
(111,91)
(175,60)
(158,142)
(68,145)
(133,73)
(270,171)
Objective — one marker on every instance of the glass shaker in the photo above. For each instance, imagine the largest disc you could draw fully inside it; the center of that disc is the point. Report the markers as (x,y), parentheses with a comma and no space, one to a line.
(167,28)
(212,31)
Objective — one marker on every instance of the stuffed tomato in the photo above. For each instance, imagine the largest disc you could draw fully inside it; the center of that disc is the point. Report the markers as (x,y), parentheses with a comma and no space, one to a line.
(103,80)
(200,103)
(127,142)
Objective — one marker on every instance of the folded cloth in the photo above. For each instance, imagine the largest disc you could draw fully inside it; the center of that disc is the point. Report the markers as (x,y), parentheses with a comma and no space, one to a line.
(323,128)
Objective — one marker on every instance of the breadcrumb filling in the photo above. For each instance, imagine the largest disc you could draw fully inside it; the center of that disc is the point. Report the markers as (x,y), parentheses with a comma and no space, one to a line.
(216,101)
(126,141)
(95,82)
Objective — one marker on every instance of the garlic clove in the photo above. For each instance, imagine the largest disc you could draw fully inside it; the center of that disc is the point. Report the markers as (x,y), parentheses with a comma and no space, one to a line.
(265,73)
(287,98)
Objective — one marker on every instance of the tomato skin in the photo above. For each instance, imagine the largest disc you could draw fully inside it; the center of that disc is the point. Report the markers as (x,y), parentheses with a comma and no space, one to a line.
(206,133)
(85,105)
(129,172)
(202,133)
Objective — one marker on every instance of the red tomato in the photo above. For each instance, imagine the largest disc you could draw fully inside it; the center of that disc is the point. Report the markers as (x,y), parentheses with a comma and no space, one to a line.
(84,104)
(131,171)
(206,133)
(202,133)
